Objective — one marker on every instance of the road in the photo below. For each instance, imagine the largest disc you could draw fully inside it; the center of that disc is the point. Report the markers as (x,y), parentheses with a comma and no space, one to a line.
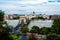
(24,37)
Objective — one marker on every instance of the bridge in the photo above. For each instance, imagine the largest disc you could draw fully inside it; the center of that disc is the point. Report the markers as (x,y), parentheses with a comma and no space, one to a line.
(17,27)
(20,25)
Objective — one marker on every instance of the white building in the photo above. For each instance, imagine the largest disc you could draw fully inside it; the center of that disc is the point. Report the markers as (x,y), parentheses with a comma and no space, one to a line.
(45,16)
(6,17)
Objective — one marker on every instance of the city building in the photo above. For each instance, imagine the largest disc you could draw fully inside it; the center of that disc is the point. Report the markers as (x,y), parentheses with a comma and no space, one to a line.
(45,16)
(52,17)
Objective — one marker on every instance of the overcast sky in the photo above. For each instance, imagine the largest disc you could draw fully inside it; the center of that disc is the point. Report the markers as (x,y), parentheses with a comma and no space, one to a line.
(28,6)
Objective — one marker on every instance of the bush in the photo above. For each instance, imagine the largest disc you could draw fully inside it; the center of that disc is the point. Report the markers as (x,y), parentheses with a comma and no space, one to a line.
(25,29)
(53,36)
(15,36)
(56,26)
(35,29)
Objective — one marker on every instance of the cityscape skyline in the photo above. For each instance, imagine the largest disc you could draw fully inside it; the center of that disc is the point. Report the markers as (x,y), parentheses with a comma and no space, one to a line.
(28,6)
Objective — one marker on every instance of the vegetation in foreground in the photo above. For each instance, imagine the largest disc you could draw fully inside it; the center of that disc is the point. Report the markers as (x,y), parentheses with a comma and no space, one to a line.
(5,30)
(16,36)
(53,36)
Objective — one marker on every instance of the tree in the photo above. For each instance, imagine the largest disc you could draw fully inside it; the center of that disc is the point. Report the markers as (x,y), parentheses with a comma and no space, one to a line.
(44,30)
(40,18)
(35,29)
(1,16)
(3,34)
(53,36)
(25,29)
(56,26)
(7,28)
(1,20)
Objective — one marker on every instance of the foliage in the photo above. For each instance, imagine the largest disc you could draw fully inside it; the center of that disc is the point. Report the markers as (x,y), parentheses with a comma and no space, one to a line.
(56,26)
(5,36)
(4,33)
(40,18)
(15,36)
(1,16)
(53,36)
(25,29)
(44,30)
(7,28)
(1,20)
(35,29)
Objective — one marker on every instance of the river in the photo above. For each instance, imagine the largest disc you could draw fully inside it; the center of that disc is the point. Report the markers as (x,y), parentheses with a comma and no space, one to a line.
(39,23)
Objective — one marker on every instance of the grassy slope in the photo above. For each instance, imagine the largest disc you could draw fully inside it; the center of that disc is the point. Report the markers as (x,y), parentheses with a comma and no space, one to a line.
(15,36)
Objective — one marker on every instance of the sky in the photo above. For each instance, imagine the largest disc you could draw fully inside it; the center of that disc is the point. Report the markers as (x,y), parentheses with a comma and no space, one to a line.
(28,6)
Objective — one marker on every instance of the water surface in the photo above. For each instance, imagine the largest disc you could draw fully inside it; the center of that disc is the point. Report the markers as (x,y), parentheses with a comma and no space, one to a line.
(40,23)
(13,23)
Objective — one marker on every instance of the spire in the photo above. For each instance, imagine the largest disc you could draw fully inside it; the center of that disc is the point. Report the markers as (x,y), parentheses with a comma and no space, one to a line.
(33,12)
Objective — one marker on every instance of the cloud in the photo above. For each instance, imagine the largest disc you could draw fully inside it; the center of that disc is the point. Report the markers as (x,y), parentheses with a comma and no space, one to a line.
(32,2)
(27,6)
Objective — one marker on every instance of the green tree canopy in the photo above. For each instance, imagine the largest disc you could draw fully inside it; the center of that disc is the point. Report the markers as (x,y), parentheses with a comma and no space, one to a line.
(1,16)
(1,20)
(44,30)
(56,25)
(25,29)
(53,36)
(35,29)
(4,33)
